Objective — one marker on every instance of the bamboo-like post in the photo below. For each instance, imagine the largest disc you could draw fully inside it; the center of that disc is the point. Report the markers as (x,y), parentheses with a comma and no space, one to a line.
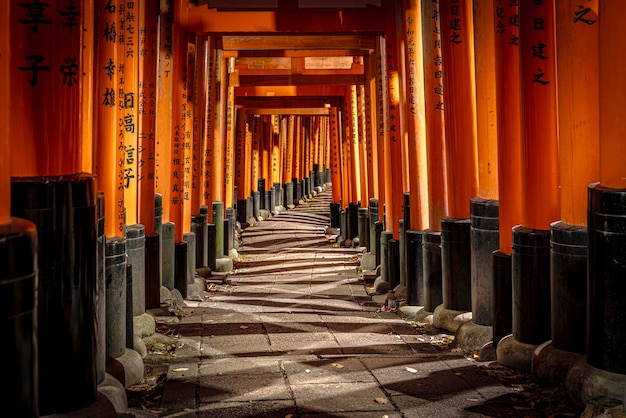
(486,99)
(434,115)
(416,122)
(163,167)
(508,114)
(459,90)
(148,22)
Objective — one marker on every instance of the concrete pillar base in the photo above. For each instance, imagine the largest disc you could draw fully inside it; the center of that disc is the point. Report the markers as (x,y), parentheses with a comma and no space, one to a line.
(416,314)
(368,262)
(223,264)
(144,325)
(551,365)
(115,394)
(472,337)
(487,352)
(585,385)
(381,285)
(449,319)
(264,214)
(140,347)
(132,365)
(515,354)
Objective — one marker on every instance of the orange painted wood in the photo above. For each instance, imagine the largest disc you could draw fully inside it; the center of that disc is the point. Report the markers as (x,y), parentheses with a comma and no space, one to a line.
(579,119)
(415,114)
(459,89)
(540,172)
(229,152)
(382,113)
(5,118)
(394,190)
(109,158)
(354,161)
(163,168)
(434,115)
(371,125)
(247,172)
(612,124)
(289,130)
(266,152)
(178,153)
(128,88)
(255,154)
(47,64)
(486,100)
(362,143)
(507,52)
(88,80)
(346,154)
(276,149)
(297,149)
(199,98)
(335,154)
(210,96)
(148,23)
(219,136)
(240,156)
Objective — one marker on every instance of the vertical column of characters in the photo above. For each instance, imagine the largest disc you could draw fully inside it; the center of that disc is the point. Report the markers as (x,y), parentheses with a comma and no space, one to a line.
(229,152)
(240,151)
(335,156)
(256,152)
(210,99)
(371,136)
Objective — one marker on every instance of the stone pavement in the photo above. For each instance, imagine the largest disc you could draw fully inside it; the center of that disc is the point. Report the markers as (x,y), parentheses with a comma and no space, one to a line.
(295,334)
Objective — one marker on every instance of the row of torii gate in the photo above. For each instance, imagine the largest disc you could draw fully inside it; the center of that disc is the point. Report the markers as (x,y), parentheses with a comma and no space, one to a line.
(494,126)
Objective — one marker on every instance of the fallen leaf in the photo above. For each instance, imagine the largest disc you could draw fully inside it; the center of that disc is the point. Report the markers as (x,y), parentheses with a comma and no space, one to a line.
(243,327)
(181,369)
(382,400)
(337,365)
(411,370)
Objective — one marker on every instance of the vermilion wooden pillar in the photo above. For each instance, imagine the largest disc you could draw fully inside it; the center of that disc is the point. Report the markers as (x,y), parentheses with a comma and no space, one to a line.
(335,154)
(240,152)
(434,115)
(416,122)
(287,132)
(507,52)
(219,136)
(459,90)
(210,93)
(382,120)
(276,149)
(199,98)
(297,150)
(364,199)
(5,119)
(394,190)
(163,167)
(355,166)
(346,174)
(371,137)
(256,153)
(148,22)
(266,149)
(229,161)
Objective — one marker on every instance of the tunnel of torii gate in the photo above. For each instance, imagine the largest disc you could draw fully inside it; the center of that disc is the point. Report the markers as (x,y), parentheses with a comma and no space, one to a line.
(475,152)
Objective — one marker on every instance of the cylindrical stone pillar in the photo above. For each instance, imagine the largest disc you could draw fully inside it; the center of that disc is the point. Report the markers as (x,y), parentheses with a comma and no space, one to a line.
(306,187)
(261,189)
(288,194)
(158,213)
(190,239)
(353,220)
(415,270)
(211,246)
(180,263)
(378,232)
(218,221)
(433,291)
(568,262)
(228,238)
(402,252)
(153,272)
(18,317)
(129,343)
(364,233)
(242,211)
(136,250)
(393,263)
(256,205)
(202,255)
(197,228)
(297,191)
(249,208)
(268,201)
(373,219)
(456,264)
(406,210)
(328,176)
(335,215)
(607,270)
(115,272)
(344,224)
(64,210)
(502,319)
(485,239)
(385,237)
(101,330)
(531,285)
(167,255)
(229,241)
(273,200)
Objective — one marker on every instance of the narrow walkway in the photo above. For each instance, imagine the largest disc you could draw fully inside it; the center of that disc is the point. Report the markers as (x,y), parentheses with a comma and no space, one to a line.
(295,334)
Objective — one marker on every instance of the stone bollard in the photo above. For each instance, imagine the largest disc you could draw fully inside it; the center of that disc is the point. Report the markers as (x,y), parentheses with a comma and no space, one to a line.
(373,210)
(607,269)
(211,246)
(101,330)
(63,208)
(218,221)
(393,263)
(335,215)
(167,260)
(415,269)
(531,285)
(378,231)
(352,213)
(262,194)
(256,204)
(569,287)
(344,224)
(153,272)
(273,200)
(364,233)
(115,296)
(288,195)
(204,254)
(268,201)
(456,264)
(180,273)
(230,216)
(502,318)
(198,229)
(18,317)
(129,305)
(228,239)
(242,209)
(433,291)
(249,207)
(136,250)
(190,239)
(385,237)
(485,239)
(402,252)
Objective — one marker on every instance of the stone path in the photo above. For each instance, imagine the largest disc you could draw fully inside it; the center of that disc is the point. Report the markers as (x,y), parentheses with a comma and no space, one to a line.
(295,334)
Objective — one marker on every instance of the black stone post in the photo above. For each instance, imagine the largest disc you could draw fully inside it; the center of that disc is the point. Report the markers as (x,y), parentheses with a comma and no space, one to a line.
(378,231)
(415,270)
(130,334)
(101,331)
(180,266)
(502,318)
(18,317)
(456,264)
(261,188)
(153,269)
(393,263)
(335,215)
(212,246)
(256,204)
(197,227)
(353,220)
(364,233)
(373,219)
(433,292)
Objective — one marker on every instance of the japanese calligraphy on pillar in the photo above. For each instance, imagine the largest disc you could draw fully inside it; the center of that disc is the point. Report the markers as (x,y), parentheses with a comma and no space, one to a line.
(507,20)
(541,50)
(410,61)
(209,116)
(256,144)
(187,121)
(436,58)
